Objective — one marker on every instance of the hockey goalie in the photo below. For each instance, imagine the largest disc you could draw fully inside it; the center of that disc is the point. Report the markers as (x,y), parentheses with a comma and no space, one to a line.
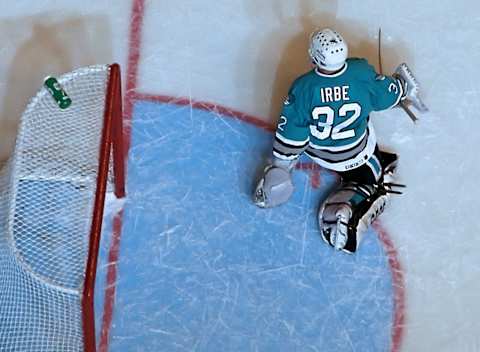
(327,117)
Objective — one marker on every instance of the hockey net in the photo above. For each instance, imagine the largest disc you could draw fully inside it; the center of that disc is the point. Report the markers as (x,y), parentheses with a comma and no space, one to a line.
(53,193)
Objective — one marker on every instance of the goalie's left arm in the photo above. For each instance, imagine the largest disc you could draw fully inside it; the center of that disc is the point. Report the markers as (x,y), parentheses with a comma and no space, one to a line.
(385,91)
(388,91)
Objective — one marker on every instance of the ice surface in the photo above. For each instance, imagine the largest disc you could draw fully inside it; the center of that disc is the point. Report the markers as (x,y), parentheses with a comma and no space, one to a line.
(197,265)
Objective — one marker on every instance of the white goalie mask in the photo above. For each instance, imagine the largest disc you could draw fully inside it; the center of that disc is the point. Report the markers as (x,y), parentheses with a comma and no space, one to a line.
(328,49)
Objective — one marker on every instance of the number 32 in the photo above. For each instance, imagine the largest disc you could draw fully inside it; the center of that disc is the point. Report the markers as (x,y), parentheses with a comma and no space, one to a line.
(324,130)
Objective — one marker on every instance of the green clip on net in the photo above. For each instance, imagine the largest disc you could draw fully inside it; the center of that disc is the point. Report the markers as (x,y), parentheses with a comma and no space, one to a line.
(57,92)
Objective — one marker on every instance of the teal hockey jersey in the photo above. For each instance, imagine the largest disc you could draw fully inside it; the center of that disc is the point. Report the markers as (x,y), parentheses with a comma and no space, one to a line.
(327,116)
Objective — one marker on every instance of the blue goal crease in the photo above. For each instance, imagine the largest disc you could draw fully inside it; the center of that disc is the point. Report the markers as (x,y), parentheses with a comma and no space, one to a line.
(201,267)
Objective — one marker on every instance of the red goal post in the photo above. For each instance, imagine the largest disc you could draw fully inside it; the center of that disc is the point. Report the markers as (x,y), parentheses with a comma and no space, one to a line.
(111,149)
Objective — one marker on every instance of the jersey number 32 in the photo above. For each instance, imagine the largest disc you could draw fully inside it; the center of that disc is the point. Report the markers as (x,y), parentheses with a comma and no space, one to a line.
(323,130)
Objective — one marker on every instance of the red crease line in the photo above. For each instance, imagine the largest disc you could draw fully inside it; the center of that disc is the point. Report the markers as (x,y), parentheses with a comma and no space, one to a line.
(398,282)
(207,106)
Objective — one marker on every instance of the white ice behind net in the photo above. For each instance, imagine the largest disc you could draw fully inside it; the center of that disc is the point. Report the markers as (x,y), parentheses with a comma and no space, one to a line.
(48,191)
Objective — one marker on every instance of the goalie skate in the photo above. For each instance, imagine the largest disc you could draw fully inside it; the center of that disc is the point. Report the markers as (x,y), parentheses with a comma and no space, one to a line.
(411,86)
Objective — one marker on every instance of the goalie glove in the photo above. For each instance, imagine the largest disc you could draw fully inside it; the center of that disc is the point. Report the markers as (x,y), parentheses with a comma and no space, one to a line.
(275,187)
(411,88)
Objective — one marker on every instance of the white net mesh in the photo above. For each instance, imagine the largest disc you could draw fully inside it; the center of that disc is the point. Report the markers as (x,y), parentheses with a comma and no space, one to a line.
(48,192)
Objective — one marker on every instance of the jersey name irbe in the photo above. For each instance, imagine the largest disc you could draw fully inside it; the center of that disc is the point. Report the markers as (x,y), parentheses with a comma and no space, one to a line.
(332,94)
